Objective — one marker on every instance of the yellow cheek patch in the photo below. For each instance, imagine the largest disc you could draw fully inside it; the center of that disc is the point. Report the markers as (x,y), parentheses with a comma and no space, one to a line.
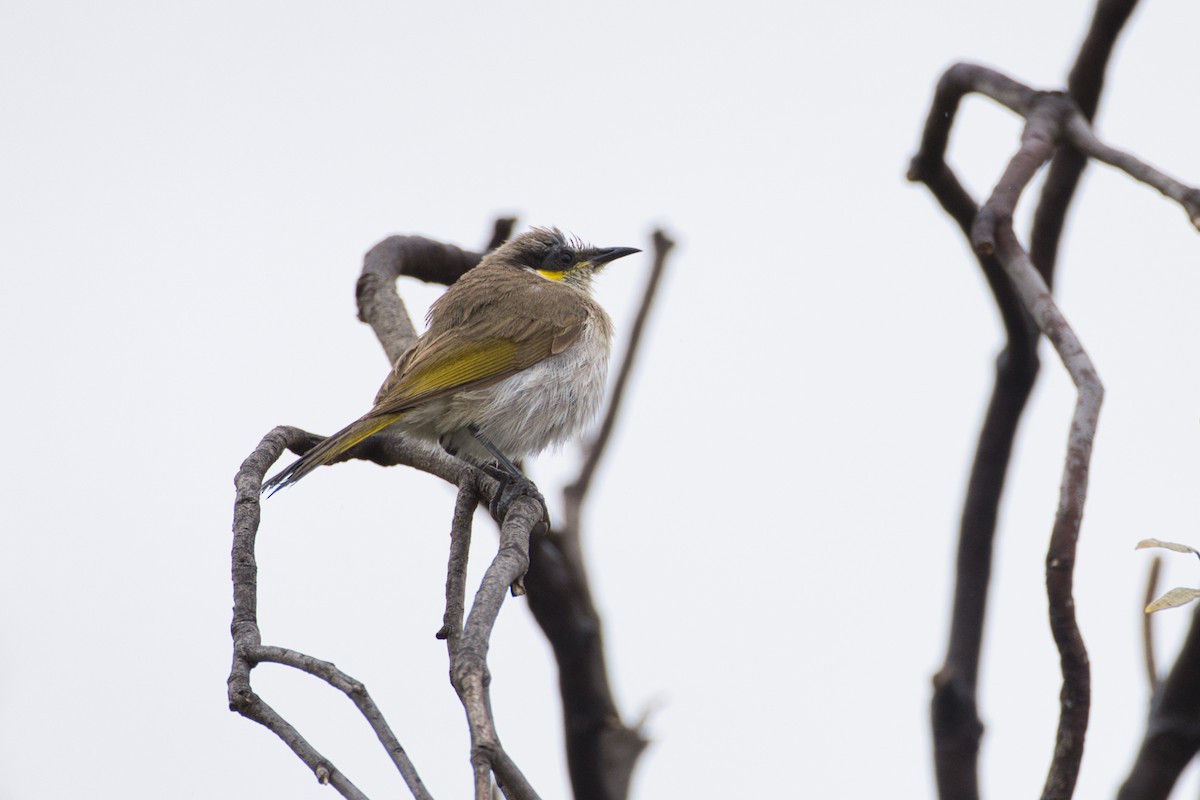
(552,274)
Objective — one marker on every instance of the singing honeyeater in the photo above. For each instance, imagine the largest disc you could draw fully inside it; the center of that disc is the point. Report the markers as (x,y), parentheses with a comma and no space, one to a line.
(513,360)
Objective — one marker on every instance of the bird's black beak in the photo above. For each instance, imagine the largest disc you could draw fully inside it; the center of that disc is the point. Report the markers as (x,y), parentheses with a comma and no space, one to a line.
(604,255)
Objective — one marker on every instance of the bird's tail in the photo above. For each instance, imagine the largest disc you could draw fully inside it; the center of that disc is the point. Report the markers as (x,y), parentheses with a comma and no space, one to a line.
(329,450)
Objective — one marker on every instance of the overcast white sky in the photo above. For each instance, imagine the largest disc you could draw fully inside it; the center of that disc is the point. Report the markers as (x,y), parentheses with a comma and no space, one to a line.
(186,191)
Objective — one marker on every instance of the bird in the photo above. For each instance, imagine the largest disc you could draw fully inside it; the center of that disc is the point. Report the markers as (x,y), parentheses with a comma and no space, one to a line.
(513,360)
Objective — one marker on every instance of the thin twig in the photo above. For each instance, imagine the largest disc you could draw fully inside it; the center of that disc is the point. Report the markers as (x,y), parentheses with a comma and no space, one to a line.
(1080,134)
(456,568)
(358,694)
(501,231)
(248,650)
(468,653)
(602,751)
(575,491)
(1148,624)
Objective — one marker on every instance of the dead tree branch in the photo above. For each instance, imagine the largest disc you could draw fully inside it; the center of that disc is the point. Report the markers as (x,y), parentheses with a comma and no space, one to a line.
(1081,136)
(248,650)
(957,729)
(467,646)
(1172,736)
(1058,126)
(992,232)
(1152,677)
(379,304)
(576,491)
(602,750)
(468,656)
(1075,697)
(1085,83)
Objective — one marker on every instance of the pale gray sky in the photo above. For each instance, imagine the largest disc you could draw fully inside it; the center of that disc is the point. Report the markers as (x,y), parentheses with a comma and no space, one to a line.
(186,191)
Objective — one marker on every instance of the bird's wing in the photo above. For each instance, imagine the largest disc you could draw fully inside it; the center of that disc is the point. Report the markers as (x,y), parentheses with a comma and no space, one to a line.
(453,361)
(439,365)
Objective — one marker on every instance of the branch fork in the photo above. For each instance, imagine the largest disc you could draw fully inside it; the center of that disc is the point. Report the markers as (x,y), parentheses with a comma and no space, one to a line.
(1057,130)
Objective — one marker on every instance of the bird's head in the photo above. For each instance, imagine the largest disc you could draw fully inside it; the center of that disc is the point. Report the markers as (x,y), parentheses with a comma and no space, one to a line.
(549,253)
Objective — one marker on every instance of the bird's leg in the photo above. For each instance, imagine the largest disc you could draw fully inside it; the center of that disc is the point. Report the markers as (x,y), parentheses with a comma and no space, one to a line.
(513,482)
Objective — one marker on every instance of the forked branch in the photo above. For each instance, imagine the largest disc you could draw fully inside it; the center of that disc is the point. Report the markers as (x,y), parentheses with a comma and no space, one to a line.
(1057,127)
(248,650)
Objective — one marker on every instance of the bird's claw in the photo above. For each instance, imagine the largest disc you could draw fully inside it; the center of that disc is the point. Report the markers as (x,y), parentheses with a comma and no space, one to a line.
(512,487)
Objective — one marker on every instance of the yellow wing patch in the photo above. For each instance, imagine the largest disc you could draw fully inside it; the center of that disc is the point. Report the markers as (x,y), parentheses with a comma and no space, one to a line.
(439,371)
(463,365)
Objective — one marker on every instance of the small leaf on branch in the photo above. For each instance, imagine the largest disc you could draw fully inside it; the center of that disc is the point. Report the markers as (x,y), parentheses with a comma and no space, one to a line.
(1178,548)
(1179,596)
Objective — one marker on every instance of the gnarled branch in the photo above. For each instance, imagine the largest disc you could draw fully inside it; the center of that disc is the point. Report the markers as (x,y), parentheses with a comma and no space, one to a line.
(1058,126)
(248,650)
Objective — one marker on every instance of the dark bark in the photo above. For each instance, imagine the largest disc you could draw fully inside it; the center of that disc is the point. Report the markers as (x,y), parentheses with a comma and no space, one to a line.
(956,725)
(602,750)
(248,650)
(1172,736)
(957,729)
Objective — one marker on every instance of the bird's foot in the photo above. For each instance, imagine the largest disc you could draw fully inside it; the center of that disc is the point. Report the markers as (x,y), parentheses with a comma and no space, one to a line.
(512,487)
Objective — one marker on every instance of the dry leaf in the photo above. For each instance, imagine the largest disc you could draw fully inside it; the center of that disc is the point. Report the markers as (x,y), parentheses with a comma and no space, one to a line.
(1178,548)
(1179,596)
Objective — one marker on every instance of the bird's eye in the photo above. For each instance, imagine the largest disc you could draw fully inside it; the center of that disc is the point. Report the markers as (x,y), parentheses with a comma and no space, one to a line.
(565,258)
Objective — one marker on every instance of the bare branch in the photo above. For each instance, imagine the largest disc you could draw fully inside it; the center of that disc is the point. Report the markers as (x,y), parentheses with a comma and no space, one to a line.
(379,304)
(386,450)
(1019,362)
(468,647)
(1172,736)
(1075,697)
(575,492)
(251,706)
(957,729)
(1060,560)
(992,232)
(601,750)
(929,164)
(956,725)
(1046,115)
(357,693)
(468,653)
(1080,134)
(1084,85)
(501,231)
(248,650)
(1148,624)
(456,569)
